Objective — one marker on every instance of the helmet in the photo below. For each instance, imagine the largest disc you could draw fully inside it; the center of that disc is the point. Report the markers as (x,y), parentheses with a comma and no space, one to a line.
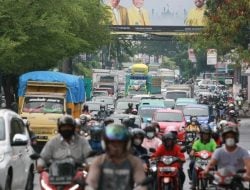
(130,105)
(66,120)
(139,133)
(205,129)
(83,118)
(78,122)
(85,107)
(102,106)
(230,129)
(168,137)
(172,129)
(156,126)
(232,113)
(231,105)
(134,111)
(149,128)
(116,132)
(96,132)
(126,121)
(108,120)
(193,119)
(222,124)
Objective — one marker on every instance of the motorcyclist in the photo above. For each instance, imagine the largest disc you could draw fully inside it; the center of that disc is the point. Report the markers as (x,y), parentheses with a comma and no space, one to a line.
(107,121)
(132,123)
(193,126)
(95,138)
(231,155)
(117,167)
(138,150)
(129,109)
(232,116)
(206,142)
(102,113)
(170,148)
(151,140)
(65,144)
(84,123)
(85,109)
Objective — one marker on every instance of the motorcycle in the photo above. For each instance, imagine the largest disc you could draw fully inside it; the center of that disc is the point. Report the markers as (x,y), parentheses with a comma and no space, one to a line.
(190,137)
(201,160)
(167,172)
(227,179)
(62,175)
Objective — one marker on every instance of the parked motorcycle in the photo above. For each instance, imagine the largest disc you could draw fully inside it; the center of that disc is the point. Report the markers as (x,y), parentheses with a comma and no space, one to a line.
(201,160)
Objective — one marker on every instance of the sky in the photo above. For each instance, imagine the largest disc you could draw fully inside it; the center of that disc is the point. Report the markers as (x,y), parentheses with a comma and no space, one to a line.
(165,12)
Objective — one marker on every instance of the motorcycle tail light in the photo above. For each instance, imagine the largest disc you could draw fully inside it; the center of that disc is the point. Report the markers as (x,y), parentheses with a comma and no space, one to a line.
(166,180)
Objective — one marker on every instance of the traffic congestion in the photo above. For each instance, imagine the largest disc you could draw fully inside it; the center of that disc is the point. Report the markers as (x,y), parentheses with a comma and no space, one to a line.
(175,130)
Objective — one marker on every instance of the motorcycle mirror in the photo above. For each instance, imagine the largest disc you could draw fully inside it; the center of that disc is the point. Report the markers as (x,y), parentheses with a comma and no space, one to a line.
(152,150)
(34,156)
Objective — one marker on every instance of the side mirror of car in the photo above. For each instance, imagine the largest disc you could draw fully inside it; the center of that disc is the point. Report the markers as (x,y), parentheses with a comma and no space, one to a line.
(19,140)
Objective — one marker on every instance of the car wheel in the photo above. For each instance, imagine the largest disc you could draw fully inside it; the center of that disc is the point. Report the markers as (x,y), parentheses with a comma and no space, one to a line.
(30,180)
(8,182)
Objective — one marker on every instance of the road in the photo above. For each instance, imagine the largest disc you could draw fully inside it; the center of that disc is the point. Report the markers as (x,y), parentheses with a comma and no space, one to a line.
(244,142)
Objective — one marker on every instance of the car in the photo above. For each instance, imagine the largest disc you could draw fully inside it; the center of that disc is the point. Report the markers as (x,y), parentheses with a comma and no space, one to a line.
(122,104)
(181,102)
(119,116)
(203,113)
(16,166)
(170,118)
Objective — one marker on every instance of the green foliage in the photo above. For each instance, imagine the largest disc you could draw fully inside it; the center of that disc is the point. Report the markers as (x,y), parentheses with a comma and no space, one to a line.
(35,35)
(227,28)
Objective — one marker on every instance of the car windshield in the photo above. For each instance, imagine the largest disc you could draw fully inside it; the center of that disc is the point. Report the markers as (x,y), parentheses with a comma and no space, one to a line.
(169,117)
(105,100)
(123,105)
(146,112)
(43,105)
(196,111)
(2,129)
(175,95)
(93,107)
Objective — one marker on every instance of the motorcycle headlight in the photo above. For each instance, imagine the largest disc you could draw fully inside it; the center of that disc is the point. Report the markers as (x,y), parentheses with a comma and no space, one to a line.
(153,168)
(167,160)
(204,155)
(228,180)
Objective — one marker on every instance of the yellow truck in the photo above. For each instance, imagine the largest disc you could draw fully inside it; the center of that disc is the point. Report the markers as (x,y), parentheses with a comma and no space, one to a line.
(44,96)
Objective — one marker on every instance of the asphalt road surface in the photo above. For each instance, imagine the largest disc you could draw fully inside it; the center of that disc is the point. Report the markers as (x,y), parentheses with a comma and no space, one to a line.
(244,142)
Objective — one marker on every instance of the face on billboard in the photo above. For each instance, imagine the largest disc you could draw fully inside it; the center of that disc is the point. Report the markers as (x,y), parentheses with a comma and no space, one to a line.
(138,3)
(199,3)
(114,3)
(160,12)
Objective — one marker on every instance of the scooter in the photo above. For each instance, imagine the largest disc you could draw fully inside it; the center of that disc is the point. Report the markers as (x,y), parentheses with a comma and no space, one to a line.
(167,173)
(62,175)
(201,160)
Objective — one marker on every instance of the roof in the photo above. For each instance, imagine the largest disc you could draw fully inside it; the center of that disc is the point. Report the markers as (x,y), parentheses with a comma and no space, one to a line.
(75,84)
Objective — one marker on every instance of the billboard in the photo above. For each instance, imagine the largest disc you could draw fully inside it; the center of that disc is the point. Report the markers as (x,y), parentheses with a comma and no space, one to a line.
(211,57)
(157,12)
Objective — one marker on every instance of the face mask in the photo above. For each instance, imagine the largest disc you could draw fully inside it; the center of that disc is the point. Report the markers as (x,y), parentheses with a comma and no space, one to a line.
(67,134)
(137,142)
(150,135)
(230,142)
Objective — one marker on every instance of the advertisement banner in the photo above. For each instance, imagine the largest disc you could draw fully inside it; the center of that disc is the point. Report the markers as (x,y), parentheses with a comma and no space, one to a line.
(156,12)
(191,55)
(211,57)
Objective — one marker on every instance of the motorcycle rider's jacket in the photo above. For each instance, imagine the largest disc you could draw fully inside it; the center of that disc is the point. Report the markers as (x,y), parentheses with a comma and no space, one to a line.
(193,128)
(199,146)
(139,151)
(102,114)
(151,143)
(175,151)
(108,175)
(57,149)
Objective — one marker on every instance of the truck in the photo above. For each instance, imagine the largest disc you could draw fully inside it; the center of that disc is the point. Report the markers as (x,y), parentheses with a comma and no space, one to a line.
(44,96)
(140,82)
(180,91)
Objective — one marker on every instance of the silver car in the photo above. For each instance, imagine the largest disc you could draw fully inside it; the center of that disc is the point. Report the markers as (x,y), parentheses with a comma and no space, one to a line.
(16,167)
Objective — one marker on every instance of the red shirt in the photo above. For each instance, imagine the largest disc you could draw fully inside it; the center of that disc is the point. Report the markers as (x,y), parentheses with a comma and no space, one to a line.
(176,152)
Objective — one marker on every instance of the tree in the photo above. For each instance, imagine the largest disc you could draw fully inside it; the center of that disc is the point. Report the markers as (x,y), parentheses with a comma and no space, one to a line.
(36,35)
(227,28)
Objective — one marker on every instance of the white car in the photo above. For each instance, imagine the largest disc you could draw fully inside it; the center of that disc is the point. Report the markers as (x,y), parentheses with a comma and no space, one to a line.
(16,167)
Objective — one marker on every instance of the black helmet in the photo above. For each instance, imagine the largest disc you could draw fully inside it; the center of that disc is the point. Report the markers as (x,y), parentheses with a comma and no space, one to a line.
(139,133)
(230,129)
(116,132)
(126,121)
(108,120)
(85,107)
(168,137)
(66,120)
(205,129)
(130,105)
(96,132)
(149,128)
(102,106)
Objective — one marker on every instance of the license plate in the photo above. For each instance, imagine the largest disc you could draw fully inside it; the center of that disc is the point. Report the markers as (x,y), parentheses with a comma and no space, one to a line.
(42,137)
